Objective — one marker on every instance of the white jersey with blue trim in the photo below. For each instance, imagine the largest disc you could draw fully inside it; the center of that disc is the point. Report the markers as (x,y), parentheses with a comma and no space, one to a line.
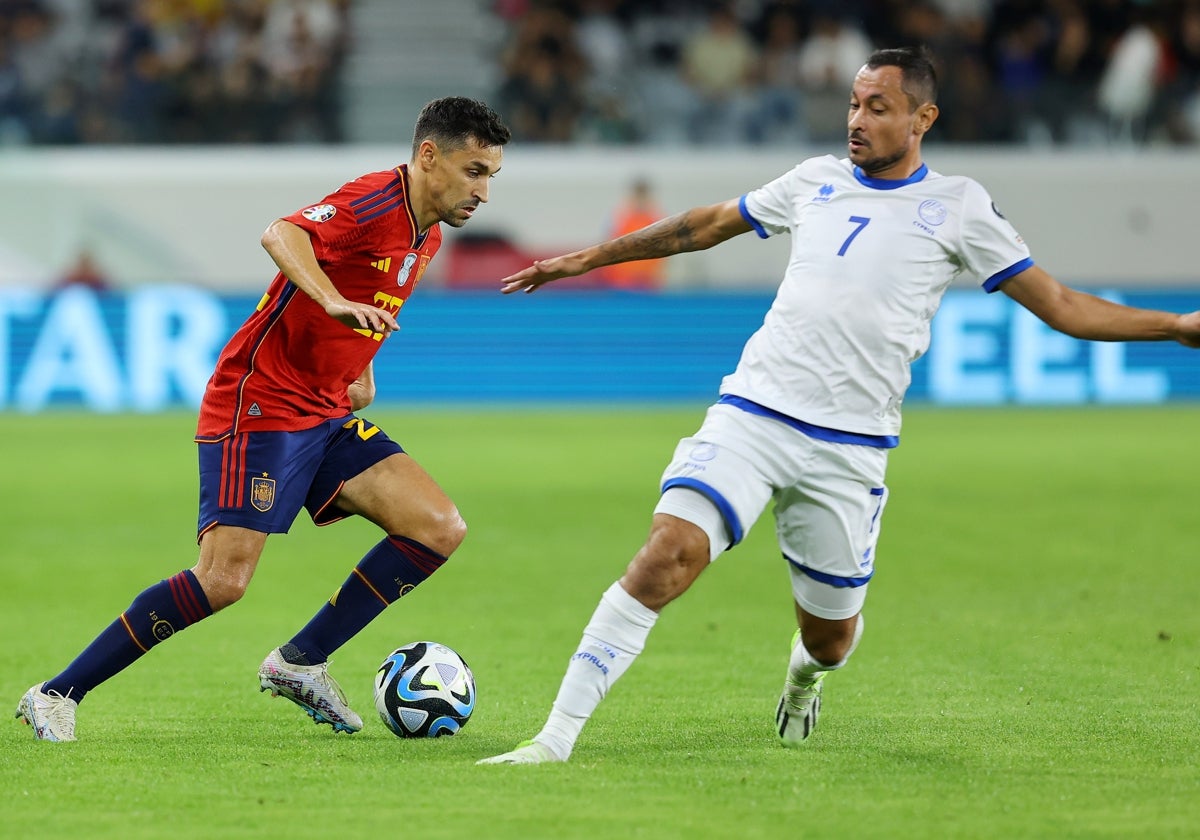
(870,262)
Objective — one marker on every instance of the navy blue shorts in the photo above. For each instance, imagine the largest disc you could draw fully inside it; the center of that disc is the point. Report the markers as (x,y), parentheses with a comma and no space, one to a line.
(261,480)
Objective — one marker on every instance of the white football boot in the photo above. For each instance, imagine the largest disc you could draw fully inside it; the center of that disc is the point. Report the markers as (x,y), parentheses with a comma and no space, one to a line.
(311,688)
(526,752)
(51,715)
(799,705)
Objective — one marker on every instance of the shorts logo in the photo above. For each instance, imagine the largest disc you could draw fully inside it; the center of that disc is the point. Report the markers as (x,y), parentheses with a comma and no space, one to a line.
(262,493)
(703,452)
(319,212)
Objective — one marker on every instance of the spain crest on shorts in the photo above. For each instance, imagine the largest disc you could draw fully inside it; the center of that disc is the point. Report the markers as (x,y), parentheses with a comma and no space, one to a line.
(262,493)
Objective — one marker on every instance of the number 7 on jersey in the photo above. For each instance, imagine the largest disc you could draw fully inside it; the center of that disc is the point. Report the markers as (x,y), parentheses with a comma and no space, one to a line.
(862,222)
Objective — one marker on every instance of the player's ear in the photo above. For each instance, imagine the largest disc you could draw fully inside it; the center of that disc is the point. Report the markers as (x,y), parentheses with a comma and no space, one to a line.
(427,154)
(925,117)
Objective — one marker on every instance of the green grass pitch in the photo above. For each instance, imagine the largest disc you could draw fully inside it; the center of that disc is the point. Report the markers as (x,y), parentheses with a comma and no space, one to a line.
(1031,666)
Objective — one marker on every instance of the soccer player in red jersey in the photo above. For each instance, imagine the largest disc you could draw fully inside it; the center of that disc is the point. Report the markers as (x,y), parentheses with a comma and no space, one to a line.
(277,431)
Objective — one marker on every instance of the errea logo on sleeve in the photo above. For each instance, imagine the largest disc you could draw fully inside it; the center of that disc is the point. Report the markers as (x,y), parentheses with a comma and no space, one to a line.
(319,212)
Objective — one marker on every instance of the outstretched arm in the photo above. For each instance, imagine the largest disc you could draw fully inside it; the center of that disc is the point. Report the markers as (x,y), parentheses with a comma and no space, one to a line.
(1081,315)
(691,230)
(292,250)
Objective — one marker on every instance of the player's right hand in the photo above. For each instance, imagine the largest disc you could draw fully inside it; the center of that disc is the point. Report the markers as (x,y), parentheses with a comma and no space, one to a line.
(362,316)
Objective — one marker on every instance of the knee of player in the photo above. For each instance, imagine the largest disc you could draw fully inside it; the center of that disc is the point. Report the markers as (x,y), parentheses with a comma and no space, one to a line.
(446,529)
(223,589)
(678,544)
(667,564)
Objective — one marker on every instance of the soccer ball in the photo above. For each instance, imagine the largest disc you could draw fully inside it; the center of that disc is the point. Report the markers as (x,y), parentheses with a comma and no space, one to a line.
(424,690)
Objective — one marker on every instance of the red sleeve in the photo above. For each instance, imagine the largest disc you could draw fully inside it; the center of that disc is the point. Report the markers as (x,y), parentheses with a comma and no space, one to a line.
(333,223)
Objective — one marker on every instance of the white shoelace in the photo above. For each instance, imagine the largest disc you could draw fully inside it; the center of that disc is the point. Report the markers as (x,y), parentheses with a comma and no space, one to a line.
(59,713)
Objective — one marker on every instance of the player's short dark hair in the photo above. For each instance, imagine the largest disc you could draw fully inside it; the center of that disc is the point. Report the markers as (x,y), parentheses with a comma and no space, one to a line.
(452,122)
(916,65)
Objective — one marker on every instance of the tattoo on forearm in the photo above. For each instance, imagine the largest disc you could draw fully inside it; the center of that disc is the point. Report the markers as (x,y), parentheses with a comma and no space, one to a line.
(672,235)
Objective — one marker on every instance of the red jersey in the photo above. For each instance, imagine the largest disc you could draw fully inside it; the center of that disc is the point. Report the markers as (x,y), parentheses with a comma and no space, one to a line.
(287,368)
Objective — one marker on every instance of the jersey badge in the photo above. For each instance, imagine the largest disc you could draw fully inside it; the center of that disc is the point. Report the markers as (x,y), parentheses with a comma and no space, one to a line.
(932,212)
(319,212)
(406,269)
(254,410)
(824,193)
(262,493)
(422,264)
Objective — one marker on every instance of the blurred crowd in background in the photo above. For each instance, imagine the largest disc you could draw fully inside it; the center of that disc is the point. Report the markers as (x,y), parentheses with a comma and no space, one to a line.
(661,72)
(172,71)
(770,71)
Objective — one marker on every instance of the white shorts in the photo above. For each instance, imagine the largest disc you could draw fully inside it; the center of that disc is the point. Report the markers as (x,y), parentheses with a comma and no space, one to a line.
(829,500)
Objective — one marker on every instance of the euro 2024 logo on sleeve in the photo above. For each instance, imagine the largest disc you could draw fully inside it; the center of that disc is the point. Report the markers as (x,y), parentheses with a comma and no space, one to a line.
(319,212)
(406,268)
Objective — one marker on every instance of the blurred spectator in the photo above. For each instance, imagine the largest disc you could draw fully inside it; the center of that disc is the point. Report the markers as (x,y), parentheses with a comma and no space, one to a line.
(829,60)
(718,66)
(1021,58)
(1067,104)
(662,99)
(608,52)
(57,121)
(833,53)
(1184,115)
(541,95)
(14,112)
(635,212)
(304,42)
(1135,73)
(779,114)
(539,103)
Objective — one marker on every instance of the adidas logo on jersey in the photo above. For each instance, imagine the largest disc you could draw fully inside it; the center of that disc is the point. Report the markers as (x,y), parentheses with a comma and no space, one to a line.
(384,265)
(254,410)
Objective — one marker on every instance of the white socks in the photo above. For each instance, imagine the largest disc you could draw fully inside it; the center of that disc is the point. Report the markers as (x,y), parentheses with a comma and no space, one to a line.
(611,641)
(802,667)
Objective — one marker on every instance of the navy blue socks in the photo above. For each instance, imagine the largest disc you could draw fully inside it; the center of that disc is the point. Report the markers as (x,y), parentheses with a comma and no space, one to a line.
(154,616)
(389,571)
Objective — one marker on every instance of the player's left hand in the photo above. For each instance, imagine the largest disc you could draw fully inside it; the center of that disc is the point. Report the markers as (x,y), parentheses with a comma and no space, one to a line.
(541,273)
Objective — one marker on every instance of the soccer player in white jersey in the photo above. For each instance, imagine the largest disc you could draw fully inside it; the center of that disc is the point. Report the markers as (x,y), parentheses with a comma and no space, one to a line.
(812,409)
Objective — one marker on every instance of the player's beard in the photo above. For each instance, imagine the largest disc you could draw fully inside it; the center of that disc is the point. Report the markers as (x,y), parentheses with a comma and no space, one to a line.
(881,163)
(453,219)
